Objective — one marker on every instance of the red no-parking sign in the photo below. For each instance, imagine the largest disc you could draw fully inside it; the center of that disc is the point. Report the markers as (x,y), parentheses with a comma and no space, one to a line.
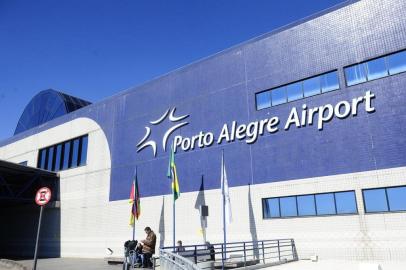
(43,196)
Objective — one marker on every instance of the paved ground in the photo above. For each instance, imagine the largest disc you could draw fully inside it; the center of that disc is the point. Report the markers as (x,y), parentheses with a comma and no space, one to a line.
(100,264)
(71,264)
(339,265)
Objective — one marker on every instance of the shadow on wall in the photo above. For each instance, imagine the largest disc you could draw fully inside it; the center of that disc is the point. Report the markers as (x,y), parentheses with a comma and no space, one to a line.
(18,229)
(253,226)
(161,229)
(201,200)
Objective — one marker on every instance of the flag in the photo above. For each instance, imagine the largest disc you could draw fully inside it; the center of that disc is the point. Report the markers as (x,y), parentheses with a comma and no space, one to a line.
(225,192)
(173,174)
(135,200)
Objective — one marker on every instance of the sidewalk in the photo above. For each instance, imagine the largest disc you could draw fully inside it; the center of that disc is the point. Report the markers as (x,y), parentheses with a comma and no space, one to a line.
(337,265)
(71,264)
(101,264)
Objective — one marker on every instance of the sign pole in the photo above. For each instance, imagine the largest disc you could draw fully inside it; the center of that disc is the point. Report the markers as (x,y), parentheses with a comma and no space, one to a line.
(36,242)
(42,197)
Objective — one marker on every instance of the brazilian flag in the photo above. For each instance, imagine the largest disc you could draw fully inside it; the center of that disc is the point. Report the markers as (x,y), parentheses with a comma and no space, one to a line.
(172,174)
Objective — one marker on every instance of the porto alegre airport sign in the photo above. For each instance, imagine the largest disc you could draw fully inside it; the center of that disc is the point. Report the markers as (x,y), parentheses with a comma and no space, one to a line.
(250,132)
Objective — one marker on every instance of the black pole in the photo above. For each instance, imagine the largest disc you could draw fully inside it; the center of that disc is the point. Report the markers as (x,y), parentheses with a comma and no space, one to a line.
(36,243)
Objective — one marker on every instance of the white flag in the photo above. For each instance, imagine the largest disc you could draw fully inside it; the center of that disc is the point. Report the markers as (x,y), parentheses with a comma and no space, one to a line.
(225,192)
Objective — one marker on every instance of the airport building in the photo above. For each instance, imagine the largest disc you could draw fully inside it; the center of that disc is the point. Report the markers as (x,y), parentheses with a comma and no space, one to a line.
(312,121)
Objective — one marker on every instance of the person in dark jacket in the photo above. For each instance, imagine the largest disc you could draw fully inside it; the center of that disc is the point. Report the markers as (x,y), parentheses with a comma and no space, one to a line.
(148,247)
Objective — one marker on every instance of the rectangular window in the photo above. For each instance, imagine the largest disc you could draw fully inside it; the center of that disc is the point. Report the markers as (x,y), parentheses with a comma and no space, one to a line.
(83,151)
(41,158)
(66,155)
(346,202)
(263,100)
(288,206)
(333,203)
(397,62)
(271,208)
(311,86)
(375,200)
(306,205)
(325,204)
(396,198)
(376,69)
(58,157)
(355,74)
(50,159)
(294,91)
(75,153)
(329,82)
(278,96)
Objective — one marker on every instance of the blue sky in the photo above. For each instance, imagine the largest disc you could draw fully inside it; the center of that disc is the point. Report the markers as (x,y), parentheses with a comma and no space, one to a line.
(93,49)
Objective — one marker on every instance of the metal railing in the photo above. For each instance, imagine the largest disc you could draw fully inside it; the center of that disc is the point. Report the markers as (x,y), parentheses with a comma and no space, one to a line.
(233,255)
(172,261)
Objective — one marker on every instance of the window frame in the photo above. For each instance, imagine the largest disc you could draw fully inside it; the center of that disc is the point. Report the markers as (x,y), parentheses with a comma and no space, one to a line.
(294,82)
(385,56)
(54,166)
(315,205)
(387,200)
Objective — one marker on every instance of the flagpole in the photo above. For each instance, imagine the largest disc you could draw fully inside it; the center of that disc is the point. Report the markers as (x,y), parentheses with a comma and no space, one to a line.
(174,223)
(134,202)
(173,193)
(224,209)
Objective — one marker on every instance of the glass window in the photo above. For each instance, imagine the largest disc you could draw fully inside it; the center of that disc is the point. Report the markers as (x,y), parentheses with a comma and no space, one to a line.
(311,86)
(263,100)
(305,205)
(41,158)
(346,203)
(66,154)
(397,198)
(288,206)
(397,62)
(271,208)
(375,200)
(58,156)
(329,82)
(325,204)
(83,151)
(278,96)
(294,91)
(50,158)
(376,69)
(75,153)
(355,74)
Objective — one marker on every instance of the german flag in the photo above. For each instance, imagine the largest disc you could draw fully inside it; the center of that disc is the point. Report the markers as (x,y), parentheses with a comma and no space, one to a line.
(135,200)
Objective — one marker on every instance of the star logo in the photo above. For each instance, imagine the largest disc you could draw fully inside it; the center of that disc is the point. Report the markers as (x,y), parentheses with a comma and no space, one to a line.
(145,142)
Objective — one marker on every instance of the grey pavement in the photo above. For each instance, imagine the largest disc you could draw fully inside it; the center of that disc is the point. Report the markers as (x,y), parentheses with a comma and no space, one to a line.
(71,264)
(101,264)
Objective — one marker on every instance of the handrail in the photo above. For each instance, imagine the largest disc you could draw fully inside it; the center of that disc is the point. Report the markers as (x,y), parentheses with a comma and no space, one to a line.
(238,254)
(170,260)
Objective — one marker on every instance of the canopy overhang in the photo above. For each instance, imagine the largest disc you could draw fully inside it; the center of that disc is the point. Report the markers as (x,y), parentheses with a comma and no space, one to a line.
(19,183)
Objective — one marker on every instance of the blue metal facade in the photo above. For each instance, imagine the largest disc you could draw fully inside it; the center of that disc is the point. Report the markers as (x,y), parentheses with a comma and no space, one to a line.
(221,89)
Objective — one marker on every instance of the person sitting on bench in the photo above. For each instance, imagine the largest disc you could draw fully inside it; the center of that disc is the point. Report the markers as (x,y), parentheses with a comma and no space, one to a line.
(148,247)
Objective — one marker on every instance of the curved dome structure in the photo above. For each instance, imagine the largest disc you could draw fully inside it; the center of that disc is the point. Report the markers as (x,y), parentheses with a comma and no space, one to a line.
(45,106)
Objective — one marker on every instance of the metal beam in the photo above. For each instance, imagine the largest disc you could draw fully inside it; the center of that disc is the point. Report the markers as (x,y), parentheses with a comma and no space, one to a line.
(27,186)
(10,192)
